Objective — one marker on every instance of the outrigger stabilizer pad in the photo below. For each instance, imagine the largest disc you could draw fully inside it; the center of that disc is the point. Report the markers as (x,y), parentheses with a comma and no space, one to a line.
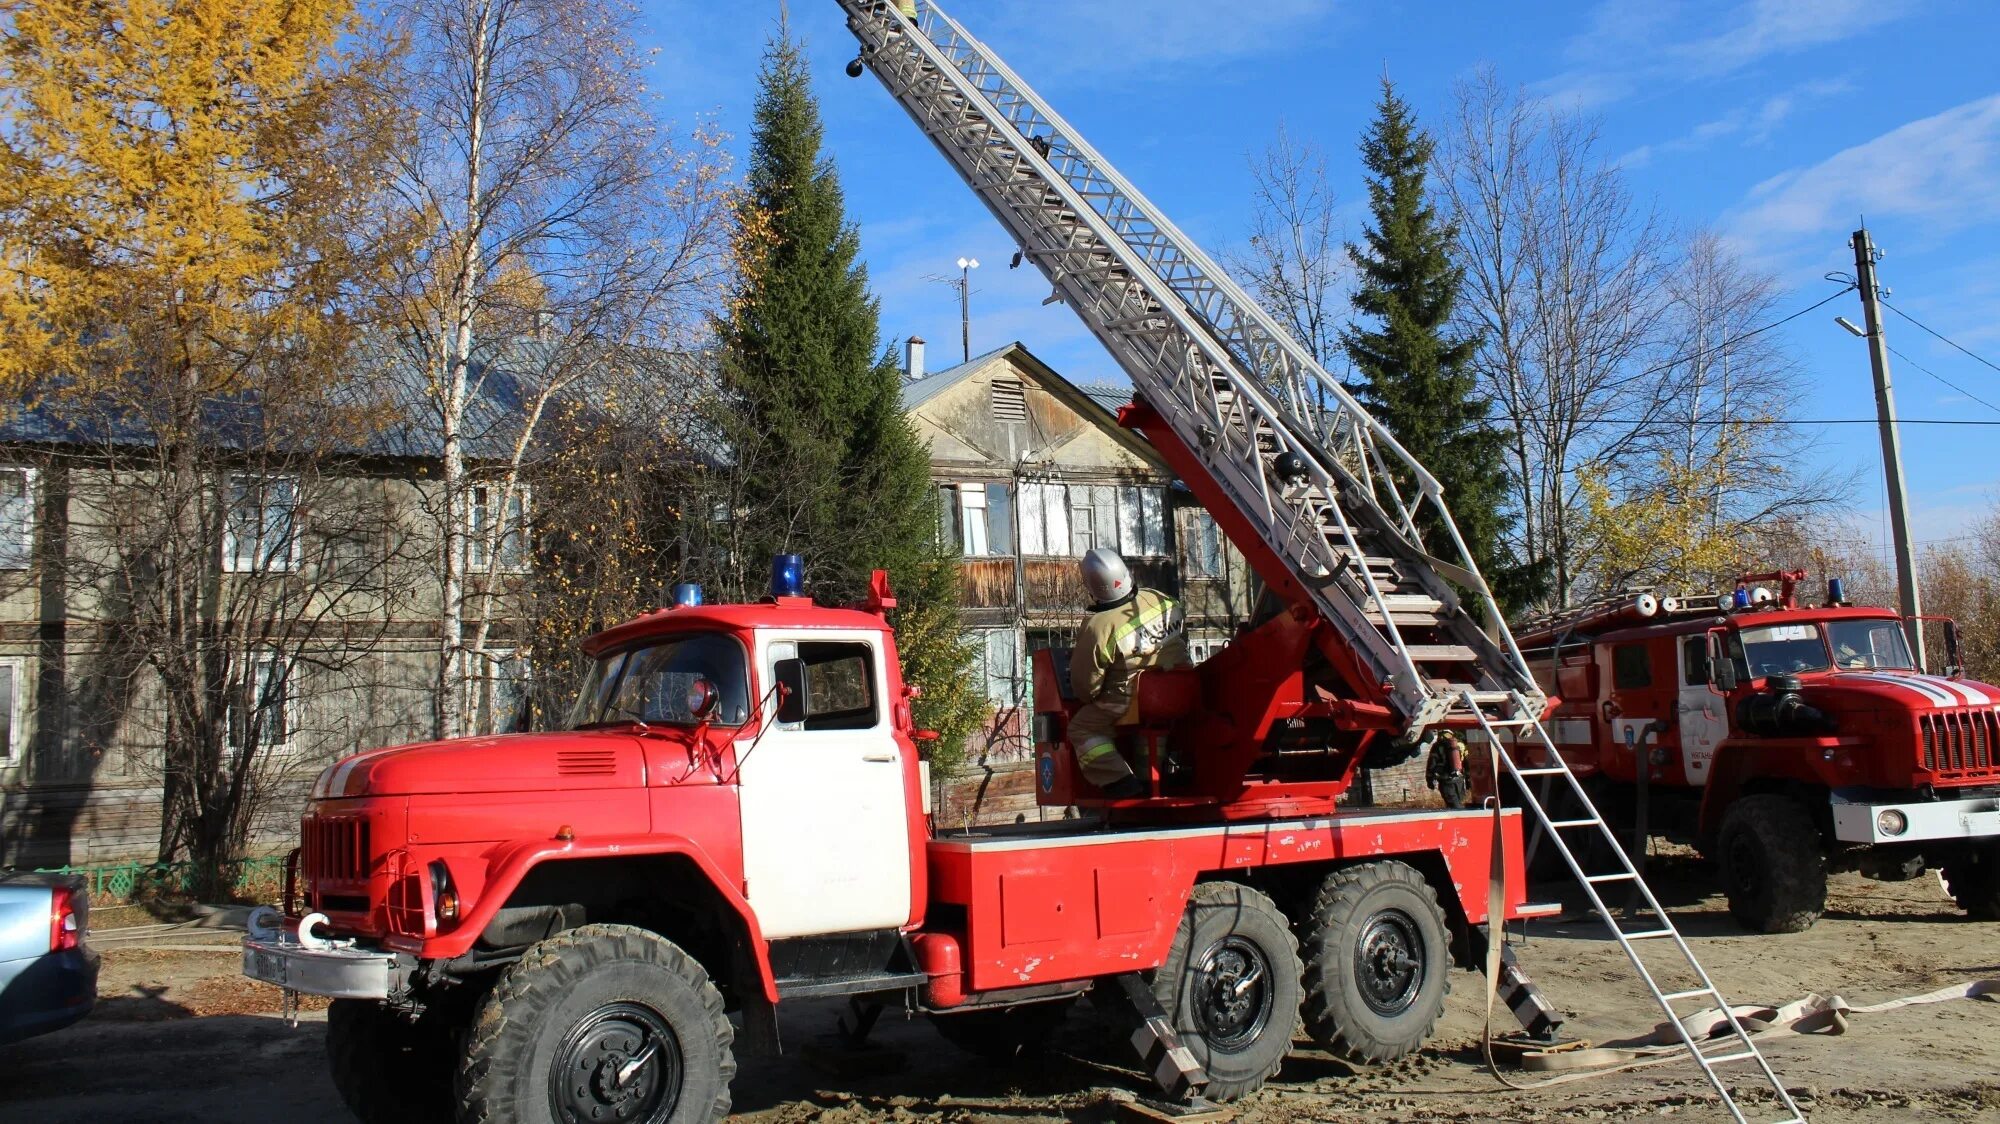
(1161,1052)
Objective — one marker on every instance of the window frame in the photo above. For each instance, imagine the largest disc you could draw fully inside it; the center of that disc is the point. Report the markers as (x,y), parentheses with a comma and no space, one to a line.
(13,747)
(31,519)
(1619,679)
(780,649)
(1695,661)
(479,516)
(288,704)
(260,561)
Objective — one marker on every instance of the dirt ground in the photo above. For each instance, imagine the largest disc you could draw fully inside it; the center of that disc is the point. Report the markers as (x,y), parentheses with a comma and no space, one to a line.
(179,1038)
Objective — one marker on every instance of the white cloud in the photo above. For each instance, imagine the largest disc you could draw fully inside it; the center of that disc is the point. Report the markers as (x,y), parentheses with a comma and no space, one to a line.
(1943,171)
(1751,124)
(1632,46)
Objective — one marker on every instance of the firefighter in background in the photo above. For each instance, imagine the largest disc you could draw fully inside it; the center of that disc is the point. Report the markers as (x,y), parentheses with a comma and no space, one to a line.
(1129,630)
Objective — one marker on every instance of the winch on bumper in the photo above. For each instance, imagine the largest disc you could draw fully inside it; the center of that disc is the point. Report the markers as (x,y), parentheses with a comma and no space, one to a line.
(1916,821)
(302,961)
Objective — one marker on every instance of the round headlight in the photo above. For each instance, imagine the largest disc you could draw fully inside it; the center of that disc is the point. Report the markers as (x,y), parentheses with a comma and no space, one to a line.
(1891,822)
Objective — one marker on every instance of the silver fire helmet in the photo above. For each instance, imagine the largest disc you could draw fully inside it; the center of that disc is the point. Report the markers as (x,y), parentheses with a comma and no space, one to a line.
(1105,576)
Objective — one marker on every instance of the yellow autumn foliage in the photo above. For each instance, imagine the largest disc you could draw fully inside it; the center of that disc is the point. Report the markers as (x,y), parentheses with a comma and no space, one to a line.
(172,180)
(1667,532)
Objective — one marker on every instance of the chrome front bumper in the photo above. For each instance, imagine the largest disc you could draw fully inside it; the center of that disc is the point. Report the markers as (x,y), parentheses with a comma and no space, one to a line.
(1975,818)
(332,971)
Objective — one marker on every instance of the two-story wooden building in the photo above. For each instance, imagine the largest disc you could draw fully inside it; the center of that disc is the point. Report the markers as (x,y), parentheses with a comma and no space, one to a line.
(1032,472)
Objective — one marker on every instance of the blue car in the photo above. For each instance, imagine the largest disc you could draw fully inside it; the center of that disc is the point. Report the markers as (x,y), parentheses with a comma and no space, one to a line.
(48,973)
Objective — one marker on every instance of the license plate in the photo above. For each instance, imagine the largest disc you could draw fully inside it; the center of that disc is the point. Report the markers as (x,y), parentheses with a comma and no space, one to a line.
(262,964)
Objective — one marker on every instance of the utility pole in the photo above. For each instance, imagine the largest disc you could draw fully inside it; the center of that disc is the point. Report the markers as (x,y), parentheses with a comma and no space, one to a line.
(965,268)
(1865,257)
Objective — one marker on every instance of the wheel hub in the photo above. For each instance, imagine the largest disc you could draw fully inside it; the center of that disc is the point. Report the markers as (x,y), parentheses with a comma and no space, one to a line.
(619,1065)
(1232,994)
(1388,962)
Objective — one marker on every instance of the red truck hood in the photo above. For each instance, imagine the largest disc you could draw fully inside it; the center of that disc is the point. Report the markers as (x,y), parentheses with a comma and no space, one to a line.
(586,759)
(1903,690)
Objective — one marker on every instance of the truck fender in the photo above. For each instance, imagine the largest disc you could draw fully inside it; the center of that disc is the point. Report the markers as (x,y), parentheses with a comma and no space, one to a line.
(1728,773)
(509,864)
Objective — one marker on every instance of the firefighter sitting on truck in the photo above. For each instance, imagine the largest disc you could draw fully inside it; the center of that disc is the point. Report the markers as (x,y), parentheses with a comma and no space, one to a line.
(1129,630)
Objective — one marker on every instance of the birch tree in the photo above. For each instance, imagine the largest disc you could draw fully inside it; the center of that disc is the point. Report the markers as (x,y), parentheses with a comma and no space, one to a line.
(563,225)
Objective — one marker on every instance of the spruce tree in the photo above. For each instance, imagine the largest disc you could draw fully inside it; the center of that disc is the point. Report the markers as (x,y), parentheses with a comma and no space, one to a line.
(829,466)
(1413,370)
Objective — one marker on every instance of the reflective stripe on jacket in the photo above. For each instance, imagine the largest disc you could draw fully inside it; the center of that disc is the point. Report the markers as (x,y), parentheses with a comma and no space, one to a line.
(1149,630)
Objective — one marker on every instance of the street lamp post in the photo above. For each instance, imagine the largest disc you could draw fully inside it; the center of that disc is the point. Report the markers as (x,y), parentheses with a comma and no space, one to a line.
(965,268)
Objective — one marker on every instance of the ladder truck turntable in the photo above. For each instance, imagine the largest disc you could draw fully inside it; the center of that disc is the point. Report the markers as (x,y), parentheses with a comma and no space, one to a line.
(1784,740)
(557,926)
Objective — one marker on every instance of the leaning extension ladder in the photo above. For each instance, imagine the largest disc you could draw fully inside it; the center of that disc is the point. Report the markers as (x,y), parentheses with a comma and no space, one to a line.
(1733,1048)
(1343,513)
(1234,387)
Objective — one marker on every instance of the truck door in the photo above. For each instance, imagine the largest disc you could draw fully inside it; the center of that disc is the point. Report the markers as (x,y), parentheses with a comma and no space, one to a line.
(826,830)
(1704,718)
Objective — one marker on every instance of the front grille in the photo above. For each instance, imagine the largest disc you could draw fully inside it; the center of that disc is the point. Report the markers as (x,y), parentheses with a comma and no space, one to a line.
(1959,745)
(336,849)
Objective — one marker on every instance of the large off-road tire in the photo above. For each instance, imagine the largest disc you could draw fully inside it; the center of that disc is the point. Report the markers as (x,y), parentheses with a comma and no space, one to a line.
(1231,986)
(1377,962)
(1773,864)
(1972,878)
(582,1009)
(387,1069)
(1003,1034)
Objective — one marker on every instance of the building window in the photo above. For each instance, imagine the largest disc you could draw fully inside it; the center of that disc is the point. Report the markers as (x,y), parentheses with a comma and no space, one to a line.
(1129,520)
(12,690)
(1200,648)
(260,531)
(262,715)
(999,660)
(17,517)
(1045,521)
(1010,400)
(498,694)
(484,525)
(979,518)
(1204,547)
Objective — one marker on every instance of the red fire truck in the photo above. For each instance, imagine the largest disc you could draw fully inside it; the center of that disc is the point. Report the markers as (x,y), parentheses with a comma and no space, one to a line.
(557,926)
(1786,741)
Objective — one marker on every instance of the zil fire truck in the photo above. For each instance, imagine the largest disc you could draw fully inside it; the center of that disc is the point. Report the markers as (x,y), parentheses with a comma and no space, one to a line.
(560,925)
(1786,741)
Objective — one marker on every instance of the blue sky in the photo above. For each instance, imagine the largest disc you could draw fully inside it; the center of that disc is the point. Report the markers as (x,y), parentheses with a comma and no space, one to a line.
(1778,123)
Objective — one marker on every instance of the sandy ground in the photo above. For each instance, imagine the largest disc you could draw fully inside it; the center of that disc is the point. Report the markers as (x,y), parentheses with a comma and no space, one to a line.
(178,1037)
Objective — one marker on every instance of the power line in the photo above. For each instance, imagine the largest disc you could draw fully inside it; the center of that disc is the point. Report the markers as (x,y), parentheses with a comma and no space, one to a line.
(1942,379)
(1942,337)
(1725,345)
(1717,423)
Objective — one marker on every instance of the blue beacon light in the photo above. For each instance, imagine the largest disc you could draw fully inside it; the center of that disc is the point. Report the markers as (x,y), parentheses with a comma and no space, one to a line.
(787,575)
(1742,599)
(687,595)
(1836,591)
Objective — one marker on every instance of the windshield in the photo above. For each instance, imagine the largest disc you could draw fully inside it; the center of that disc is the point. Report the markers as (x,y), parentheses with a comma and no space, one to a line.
(1781,649)
(649,683)
(1870,644)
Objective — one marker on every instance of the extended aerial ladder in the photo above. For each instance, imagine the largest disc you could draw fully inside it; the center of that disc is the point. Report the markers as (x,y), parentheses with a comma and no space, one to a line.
(1278,445)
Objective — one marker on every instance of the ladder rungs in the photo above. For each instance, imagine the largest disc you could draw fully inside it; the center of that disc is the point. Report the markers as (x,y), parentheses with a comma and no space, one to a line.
(1697,993)
(1627,876)
(1441,653)
(1559,825)
(1650,935)
(1540,771)
(1740,1056)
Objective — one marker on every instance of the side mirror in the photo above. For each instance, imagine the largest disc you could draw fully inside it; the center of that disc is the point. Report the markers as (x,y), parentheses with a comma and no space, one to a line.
(1954,665)
(1721,669)
(702,698)
(791,676)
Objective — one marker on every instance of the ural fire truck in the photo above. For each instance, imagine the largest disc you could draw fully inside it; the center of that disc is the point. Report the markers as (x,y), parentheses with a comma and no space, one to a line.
(1786,741)
(558,926)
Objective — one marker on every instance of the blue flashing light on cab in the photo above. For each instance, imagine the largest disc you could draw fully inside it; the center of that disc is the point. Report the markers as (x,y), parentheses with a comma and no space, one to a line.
(687,595)
(788,576)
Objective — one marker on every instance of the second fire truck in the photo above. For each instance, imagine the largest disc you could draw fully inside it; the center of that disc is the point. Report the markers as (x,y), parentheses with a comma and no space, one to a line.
(1787,741)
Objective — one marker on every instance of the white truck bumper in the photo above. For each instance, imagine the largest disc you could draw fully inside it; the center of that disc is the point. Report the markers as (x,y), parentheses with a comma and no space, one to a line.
(1975,818)
(337,973)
